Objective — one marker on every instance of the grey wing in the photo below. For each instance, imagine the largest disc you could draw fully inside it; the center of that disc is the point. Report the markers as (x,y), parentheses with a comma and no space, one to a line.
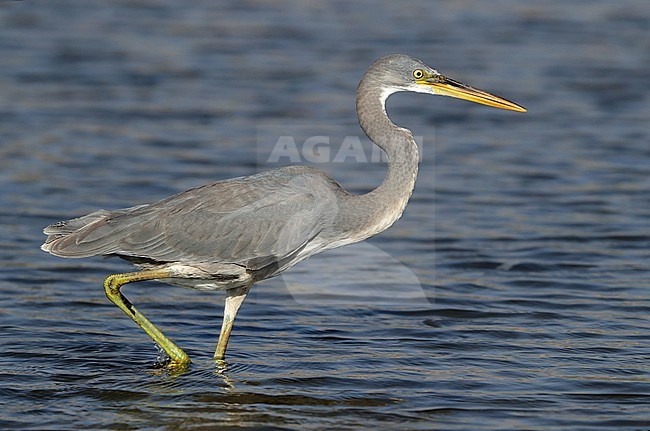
(252,221)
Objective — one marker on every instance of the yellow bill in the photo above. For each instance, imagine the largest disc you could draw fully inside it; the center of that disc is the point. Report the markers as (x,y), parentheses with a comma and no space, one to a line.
(448,87)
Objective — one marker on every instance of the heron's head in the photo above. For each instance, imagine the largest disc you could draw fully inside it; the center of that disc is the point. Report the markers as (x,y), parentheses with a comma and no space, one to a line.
(399,72)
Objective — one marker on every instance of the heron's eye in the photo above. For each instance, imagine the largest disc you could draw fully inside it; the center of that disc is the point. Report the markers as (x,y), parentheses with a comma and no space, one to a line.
(418,73)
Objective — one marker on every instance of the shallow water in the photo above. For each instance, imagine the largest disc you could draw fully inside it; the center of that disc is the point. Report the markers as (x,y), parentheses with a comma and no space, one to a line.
(513,293)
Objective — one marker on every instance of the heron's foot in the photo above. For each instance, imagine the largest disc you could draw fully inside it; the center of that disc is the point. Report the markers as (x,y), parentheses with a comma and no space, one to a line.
(175,367)
(169,368)
(166,366)
(180,362)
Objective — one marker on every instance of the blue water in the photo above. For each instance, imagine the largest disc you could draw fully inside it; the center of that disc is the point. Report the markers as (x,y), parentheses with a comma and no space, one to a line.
(513,293)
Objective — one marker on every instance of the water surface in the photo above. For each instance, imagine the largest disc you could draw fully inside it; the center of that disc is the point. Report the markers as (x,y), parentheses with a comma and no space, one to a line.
(513,293)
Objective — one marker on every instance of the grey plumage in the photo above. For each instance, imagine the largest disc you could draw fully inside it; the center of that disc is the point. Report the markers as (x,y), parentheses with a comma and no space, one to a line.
(257,221)
(232,233)
(249,221)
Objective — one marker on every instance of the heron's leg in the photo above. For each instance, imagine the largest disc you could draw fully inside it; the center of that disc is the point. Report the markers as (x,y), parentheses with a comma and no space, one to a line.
(234,299)
(112,286)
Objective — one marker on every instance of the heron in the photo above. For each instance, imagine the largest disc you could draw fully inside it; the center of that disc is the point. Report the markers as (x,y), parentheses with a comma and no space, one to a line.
(230,234)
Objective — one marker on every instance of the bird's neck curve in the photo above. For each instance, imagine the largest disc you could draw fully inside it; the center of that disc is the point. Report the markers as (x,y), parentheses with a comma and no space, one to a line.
(386,202)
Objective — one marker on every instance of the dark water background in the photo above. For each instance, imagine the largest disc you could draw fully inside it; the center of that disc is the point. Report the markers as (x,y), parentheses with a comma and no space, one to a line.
(513,294)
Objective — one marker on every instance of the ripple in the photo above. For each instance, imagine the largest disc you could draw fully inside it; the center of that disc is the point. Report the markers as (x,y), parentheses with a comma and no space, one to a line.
(512,293)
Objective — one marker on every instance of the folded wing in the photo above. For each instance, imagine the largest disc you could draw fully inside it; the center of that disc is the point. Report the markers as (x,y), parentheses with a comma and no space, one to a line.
(252,221)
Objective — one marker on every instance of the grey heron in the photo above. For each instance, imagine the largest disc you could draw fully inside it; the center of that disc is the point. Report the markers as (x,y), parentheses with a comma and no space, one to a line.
(233,233)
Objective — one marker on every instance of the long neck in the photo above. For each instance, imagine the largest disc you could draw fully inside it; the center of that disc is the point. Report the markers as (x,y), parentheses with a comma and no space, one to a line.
(384,205)
(397,142)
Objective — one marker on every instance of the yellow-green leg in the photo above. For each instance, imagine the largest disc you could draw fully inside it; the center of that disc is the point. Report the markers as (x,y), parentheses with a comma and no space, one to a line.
(234,299)
(112,286)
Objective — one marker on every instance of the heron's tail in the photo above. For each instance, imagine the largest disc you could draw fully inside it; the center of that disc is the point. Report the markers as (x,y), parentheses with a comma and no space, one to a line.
(61,233)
